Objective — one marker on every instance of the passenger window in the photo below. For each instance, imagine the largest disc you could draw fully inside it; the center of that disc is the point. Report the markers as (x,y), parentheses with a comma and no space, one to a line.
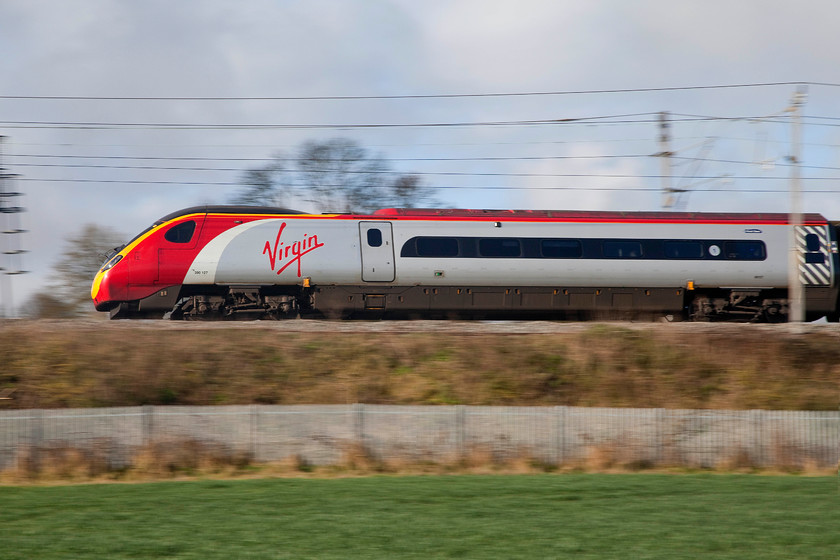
(683,250)
(622,249)
(437,247)
(374,237)
(499,247)
(745,250)
(181,233)
(812,242)
(561,248)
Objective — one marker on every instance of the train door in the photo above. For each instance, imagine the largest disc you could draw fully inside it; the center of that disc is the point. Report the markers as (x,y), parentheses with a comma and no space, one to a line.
(377,251)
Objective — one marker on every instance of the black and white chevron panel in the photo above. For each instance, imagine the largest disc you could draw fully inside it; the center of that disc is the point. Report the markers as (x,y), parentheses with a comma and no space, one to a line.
(813,274)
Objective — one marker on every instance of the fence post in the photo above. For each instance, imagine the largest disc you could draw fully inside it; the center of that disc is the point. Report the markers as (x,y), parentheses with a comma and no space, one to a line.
(253,434)
(660,436)
(359,423)
(757,437)
(148,420)
(36,436)
(460,431)
(833,442)
(559,435)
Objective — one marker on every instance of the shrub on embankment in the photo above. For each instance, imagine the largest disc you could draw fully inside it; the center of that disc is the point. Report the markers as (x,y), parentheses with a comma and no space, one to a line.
(83,364)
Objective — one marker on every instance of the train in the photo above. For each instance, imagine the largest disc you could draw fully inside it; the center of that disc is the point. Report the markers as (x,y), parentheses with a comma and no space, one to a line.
(238,262)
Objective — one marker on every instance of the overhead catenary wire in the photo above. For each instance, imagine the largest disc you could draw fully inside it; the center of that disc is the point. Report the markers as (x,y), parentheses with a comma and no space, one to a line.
(436,187)
(85,161)
(416,96)
(626,119)
(446,173)
(287,159)
(397,159)
(576,141)
(97,125)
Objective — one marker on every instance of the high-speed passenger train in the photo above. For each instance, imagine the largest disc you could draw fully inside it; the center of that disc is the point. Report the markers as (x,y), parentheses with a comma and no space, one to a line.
(256,262)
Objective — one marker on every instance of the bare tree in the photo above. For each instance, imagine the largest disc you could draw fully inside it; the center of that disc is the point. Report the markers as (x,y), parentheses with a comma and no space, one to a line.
(336,175)
(67,293)
(264,186)
(406,190)
(46,306)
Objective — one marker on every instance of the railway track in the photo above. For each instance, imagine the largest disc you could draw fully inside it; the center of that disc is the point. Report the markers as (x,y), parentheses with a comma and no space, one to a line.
(423,326)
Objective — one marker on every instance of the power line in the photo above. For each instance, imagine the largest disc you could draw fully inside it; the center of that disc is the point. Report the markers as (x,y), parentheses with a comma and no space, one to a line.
(741,162)
(271,159)
(431,173)
(450,187)
(588,121)
(622,119)
(604,119)
(388,145)
(632,118)
(386,159)
(412,145)
(408,96)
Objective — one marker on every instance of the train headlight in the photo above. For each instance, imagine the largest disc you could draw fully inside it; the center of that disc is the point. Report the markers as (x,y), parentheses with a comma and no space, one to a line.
(110,264)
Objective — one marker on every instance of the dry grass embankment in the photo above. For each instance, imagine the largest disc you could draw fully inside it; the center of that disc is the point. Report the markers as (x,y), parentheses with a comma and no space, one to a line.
(92,365)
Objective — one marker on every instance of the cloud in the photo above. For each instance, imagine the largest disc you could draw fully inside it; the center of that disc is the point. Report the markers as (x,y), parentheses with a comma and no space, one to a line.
(586,185)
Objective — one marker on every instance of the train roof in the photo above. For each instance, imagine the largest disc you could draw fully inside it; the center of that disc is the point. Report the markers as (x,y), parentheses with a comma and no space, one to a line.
(521,215)
(595,216)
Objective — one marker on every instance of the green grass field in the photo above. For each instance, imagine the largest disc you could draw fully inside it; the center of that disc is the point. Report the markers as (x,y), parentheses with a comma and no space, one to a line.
(526,516)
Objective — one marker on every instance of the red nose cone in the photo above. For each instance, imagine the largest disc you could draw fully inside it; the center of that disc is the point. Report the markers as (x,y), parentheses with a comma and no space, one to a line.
(112,288)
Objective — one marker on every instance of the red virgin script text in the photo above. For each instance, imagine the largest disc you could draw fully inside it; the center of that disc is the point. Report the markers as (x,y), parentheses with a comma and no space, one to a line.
(283,254)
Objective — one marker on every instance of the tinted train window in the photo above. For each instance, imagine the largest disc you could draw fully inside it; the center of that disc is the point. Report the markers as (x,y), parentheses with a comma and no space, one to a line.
(437,247)
(561,248)
(499,247)
(374,237)
(588,248)
(622,249)
(683,250)
(745,250)
(813,245)
(812,242)
(182,233)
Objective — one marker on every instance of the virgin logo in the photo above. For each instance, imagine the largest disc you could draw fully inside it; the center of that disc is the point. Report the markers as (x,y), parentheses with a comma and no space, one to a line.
(283,254)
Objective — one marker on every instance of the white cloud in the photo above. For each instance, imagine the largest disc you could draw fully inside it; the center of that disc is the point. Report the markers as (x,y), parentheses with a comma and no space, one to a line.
(586,185)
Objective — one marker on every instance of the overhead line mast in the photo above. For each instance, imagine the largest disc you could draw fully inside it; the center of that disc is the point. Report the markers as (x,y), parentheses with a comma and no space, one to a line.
(797,307)
(11,248)
(665,154)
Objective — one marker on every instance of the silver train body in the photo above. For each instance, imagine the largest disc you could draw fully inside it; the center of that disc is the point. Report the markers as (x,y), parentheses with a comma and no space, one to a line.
(487,264)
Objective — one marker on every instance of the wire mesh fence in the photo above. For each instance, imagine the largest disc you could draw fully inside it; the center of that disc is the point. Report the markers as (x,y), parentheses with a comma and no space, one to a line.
(324,434)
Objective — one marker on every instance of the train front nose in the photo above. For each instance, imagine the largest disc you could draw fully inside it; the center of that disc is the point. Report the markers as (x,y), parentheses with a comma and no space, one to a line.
(105,290)
(100,292)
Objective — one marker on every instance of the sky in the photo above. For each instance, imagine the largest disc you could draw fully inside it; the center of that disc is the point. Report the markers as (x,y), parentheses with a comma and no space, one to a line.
(599,73)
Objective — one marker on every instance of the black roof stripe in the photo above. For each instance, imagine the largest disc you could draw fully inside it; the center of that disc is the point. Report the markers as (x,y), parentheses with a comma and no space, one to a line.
(227,209)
